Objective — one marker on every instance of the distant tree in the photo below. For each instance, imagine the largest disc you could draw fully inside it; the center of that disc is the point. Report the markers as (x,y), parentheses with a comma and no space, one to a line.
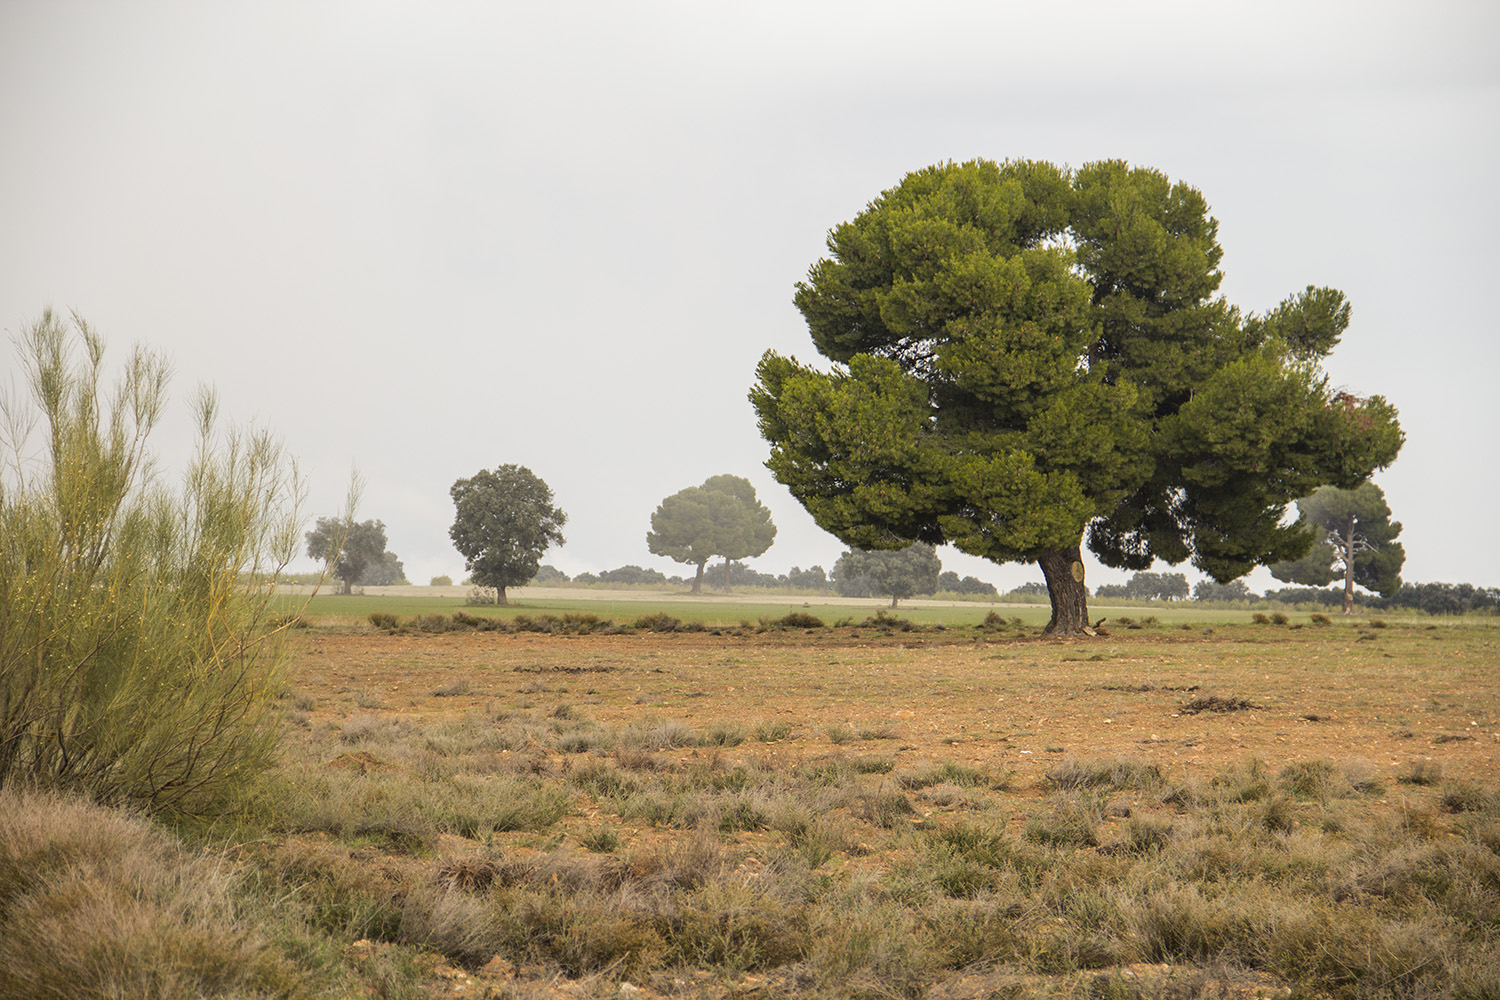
(737,574)
(386,571)
(351,546)
(1025,358)
(1355,540)
(626,575)
(441,581)
(547,576)
(812,578)
(504,522)
(1157,587)
(1235,590)
(1031,588)
(1112,590)
(950,581)
(720,518)
(1444,598)
(902,573)
(1306,595)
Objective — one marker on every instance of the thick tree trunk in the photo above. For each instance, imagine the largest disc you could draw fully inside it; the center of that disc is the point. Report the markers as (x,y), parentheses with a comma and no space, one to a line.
(500,597)
(1063,571)
(893,602)
(1348,543)
(698,580)
(726,576)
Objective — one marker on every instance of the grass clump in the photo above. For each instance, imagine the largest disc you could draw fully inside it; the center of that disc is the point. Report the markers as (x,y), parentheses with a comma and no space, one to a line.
(1115,773)
(95,902)
(658,622)
(772,732)
(795,619)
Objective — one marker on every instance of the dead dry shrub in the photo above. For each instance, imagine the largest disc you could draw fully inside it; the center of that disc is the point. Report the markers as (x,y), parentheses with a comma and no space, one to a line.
(1216,703)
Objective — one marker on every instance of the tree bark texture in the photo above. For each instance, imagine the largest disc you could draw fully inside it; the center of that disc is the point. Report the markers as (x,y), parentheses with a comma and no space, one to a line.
(698,580)
(500,600)
(1063,571)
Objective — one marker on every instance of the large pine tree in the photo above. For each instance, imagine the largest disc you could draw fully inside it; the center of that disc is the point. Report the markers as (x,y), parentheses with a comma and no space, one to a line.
(1028,358)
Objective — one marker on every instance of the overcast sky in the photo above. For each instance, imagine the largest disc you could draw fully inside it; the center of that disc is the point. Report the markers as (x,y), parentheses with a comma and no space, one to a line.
(422,239)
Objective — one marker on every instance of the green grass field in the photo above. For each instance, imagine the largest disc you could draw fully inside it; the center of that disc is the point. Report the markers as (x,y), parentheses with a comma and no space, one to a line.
(334,608)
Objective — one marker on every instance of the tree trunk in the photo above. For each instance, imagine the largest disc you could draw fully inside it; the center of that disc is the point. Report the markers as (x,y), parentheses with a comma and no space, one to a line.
(893,602)
(726,575)
(500,597)
(1063,571)
(698,580)
(1348,544)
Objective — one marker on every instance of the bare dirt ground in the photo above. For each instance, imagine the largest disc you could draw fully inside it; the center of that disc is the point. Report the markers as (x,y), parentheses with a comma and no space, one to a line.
(1389,697)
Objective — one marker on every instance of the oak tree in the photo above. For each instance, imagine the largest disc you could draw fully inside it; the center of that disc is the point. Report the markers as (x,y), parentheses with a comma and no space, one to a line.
(721,518)
(1356,541)
(350,547)
(1027,358)
(504,522)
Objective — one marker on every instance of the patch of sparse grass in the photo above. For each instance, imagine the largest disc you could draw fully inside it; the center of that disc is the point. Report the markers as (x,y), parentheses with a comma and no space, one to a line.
(1422,772)
(724,734)
(1071,820)
(773,732)
(97,902)
(660,851)
(1115,773)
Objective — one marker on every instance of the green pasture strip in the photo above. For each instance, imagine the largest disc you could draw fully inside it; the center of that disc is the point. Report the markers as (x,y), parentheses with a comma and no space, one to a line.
(358,607)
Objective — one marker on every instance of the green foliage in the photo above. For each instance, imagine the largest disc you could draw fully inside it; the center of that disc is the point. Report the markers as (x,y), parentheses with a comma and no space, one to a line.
(949,581)
(1235,590)
(387,571)
(720,518)
(1022,352)
(353,549)
(904,573)
(548,575)
(632,575)
(504,522)
(1354,538)
(139,634)
(440,581)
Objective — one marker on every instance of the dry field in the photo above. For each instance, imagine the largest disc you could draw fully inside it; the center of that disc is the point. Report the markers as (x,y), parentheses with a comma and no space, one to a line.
(1388,696)
(1260,810)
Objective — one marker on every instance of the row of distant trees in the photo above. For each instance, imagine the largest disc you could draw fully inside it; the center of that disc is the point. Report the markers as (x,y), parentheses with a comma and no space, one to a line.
(1432,598)
(911,572)
(505,521)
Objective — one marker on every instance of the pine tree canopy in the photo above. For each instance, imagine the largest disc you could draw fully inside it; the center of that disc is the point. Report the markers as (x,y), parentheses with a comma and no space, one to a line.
(1027,357)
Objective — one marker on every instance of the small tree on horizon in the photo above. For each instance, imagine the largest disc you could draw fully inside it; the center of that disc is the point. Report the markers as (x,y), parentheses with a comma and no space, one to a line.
(722,518)
(349,548)
(1356,541)
(897,574)
(504,521)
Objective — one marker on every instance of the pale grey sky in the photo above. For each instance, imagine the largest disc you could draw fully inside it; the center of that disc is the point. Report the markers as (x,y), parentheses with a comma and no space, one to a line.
(421,239)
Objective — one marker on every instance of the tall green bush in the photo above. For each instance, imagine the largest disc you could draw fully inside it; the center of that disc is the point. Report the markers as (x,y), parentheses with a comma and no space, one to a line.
(139,642)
